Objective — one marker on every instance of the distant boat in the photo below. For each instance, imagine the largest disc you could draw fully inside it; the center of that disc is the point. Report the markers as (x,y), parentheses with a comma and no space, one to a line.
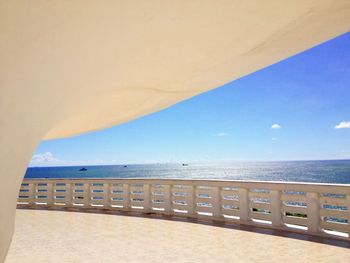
(125,166)
(83,169)
(185,164)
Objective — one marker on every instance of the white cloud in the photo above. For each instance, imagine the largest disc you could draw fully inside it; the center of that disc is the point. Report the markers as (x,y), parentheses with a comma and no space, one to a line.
(48,159)
(45,159)
(343,125)
(276,126)
(274,139)
(221,134)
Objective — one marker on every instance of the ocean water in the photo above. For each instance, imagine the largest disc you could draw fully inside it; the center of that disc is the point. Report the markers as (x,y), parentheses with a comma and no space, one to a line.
(295,171)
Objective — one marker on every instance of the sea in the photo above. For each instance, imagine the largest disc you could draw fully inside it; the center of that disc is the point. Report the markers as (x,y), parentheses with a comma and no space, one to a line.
(330,171)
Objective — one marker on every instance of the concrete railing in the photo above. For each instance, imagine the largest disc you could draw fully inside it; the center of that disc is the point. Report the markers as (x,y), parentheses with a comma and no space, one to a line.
(316,209)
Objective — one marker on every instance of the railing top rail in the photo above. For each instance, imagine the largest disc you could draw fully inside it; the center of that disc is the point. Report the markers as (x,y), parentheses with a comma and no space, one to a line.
(273,185)
(188,180)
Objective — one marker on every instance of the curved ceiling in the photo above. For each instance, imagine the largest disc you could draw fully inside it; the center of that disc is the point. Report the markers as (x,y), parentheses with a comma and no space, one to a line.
(95,64)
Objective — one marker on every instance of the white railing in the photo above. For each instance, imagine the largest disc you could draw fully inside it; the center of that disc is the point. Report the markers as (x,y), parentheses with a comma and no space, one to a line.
(317,209)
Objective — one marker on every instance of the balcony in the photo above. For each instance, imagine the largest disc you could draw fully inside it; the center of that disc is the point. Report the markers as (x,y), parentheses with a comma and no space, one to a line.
(155,220)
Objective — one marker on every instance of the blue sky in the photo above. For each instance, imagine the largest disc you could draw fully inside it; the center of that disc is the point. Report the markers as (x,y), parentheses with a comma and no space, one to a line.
(297,109)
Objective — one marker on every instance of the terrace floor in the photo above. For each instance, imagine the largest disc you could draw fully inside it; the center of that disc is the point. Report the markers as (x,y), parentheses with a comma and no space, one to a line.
(61,236)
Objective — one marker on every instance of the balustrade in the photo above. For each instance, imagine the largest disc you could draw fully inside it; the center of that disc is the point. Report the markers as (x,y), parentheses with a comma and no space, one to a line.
(317,209)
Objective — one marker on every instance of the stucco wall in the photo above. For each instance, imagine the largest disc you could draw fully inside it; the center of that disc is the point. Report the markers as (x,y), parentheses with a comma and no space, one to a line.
(69,67)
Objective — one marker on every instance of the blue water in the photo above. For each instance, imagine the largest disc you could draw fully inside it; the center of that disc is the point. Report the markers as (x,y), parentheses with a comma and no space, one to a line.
(296,171)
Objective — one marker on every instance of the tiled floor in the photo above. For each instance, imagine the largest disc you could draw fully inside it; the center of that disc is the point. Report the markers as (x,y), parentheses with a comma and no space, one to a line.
(57,236)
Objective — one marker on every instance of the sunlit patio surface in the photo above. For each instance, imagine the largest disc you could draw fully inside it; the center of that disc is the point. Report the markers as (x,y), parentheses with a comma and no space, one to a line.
(63,236)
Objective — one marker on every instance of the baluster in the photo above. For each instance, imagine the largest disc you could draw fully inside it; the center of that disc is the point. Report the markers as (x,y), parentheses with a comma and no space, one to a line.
(168,203)
(31,193)
(216,201)
(87,195)
(348,211)
(49,194)
(276,207)
(313,212)
(243,204)
(126,196)
(69,200)
(191,201)
(106,195)
(146,198)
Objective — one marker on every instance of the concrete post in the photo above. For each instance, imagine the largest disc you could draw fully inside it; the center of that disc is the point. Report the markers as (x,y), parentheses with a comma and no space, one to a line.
(126,197)
(216,202)
(191,202)
(106,195)
(276,207)
(243,204)
(348,211)
(168,202)
(31,193)
(146,198)
(49,194)
(87,195)
(313,212)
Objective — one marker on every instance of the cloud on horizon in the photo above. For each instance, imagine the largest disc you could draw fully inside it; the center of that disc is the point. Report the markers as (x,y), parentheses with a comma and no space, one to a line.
(343,125)
(45,159)
(276,126)
(48,159)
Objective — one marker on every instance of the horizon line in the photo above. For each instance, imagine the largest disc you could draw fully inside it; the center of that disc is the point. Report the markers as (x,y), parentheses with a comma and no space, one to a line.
(208,162)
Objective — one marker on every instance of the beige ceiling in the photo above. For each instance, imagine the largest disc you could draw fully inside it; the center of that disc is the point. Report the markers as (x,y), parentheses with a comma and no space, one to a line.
(94,64)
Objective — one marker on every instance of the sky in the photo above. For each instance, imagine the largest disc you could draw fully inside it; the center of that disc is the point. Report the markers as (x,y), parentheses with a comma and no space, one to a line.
(297,109)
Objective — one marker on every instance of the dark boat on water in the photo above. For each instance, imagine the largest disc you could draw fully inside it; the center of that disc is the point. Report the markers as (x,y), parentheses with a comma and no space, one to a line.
(185,164)
(83,169)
